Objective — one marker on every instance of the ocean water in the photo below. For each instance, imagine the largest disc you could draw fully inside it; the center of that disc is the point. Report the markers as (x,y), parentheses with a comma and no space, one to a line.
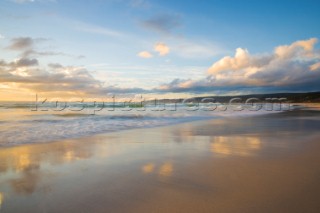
(22,123)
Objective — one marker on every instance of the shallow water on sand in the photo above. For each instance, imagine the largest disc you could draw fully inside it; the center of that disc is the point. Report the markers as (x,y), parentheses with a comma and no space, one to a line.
(250,164)
(22,124)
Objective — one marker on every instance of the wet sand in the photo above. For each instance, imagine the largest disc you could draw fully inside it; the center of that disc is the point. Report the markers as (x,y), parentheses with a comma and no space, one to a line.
(250,164)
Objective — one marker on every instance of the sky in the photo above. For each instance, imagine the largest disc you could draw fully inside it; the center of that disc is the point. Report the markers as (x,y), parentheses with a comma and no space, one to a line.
(157,48)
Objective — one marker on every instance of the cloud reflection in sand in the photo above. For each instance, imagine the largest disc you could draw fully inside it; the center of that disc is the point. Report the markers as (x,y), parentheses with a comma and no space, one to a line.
(235,145)
(148,168)
(24,168)
(165,170)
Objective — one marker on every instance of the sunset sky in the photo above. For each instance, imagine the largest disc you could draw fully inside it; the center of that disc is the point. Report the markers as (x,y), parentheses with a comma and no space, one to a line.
(162,48)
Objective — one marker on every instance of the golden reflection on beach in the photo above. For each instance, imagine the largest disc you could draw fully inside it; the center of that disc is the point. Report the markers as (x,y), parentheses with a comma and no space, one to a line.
(166,169)
(22,158)
(27,183)
(148,168)
(19,159)
(237,145)
(1,200)
(23,161)
(69,156)
(30,162)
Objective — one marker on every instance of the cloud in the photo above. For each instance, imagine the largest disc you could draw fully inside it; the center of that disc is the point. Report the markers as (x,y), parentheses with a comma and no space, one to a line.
(21,43)
(25,44)
(29,53)
(294,67)
(242,59)
(298,48)
(21,62)
(286,61)
(27,47)
(161,48)
(1,36)
(288,67)
(315,67)
(55,65)
(164,23)
(35,78)
(145,54)
(25,62)
(26,75)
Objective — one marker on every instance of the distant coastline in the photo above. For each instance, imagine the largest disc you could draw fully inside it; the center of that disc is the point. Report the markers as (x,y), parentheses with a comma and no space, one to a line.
(304,97)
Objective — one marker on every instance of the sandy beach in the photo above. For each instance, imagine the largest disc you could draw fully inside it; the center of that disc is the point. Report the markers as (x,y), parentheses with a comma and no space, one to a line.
(266,163)
(150,106)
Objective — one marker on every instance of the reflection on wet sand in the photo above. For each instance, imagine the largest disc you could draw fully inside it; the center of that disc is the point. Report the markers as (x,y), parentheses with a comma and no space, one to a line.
(69,156)
(1,199)
(235,145)
(165,169)
(148,168)
(23,161)
(22,158)
(30,163)
(27,183)
(183,135)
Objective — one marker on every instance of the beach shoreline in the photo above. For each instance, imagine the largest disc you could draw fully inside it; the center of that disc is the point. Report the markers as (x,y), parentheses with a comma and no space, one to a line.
(256,163)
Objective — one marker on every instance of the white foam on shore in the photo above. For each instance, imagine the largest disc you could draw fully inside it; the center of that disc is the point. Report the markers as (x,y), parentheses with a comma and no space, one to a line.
(41,127)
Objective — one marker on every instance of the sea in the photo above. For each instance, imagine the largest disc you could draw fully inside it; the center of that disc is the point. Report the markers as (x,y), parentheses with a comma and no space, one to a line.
(28,122)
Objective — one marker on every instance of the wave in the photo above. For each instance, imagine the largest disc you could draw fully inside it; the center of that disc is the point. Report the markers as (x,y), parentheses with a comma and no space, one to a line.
(45,127)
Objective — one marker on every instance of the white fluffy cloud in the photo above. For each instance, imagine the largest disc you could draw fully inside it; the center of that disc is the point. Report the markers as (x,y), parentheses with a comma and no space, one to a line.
(289,66)
(145,54)
(303,48)
(284,66)
(161,48)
